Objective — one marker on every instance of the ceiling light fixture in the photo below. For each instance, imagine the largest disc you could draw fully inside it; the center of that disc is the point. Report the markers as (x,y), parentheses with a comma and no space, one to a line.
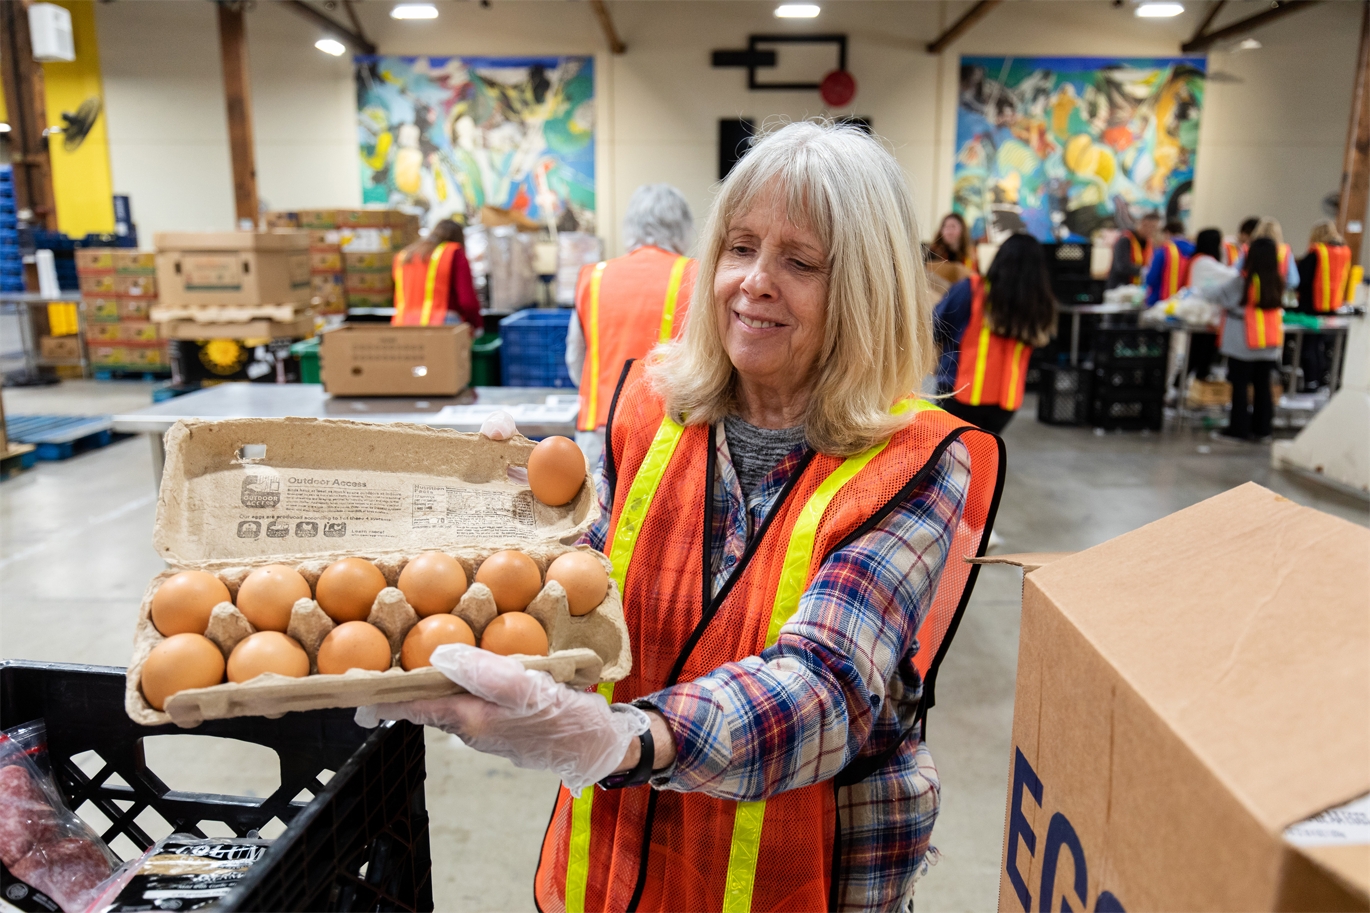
(1159,10)
(414,11)
(4,128)
(331,46)
(1249,44)
(796,11)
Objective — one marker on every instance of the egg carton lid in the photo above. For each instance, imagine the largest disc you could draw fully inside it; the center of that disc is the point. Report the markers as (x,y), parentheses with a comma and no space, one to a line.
(242,491)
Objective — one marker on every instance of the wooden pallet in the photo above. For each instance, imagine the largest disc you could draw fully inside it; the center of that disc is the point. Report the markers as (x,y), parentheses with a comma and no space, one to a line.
(60,437)
(16,459)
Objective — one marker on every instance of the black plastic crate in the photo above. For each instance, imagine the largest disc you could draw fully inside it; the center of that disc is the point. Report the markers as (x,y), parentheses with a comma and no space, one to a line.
(1063,395)
(1127,411)
(1131,378)
(361,842)
(1129,346)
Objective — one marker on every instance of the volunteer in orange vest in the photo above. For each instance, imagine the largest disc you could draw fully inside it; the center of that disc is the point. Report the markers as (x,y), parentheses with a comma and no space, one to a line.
(1326,271)
(987,329)
(1169,270)
(1288,267)
(627,305)
(1233,251)
(1132,251)
(433,281)
(1252,338)
(788,524)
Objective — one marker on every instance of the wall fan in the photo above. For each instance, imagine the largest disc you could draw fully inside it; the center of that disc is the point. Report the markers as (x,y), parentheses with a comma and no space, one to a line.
(75,127)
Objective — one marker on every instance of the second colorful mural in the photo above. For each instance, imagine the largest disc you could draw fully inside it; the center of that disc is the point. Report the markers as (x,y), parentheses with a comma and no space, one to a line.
(452,134)
(1064,146)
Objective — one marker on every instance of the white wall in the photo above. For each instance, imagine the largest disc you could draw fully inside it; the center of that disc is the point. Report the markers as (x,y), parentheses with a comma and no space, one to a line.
(1271,142)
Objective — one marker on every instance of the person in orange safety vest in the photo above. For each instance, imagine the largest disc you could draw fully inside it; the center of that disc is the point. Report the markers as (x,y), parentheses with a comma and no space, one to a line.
(1132,251)
(627,305)
(987,329)
(1252,337)
(765,751)
(433,281)
(1169,270)
(1327,284)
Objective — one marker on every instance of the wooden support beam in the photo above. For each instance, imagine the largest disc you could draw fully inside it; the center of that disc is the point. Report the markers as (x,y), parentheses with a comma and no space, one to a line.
(356,39)
(607,24)
(962,25)
(238,97)
(1355,175)
(1214,8)
(28,118)
(1277,11)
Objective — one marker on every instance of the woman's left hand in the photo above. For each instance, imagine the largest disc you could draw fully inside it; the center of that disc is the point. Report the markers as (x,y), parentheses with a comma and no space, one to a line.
(522,715)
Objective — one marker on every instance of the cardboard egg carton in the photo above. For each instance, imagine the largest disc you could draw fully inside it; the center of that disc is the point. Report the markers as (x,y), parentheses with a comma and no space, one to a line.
(243,493)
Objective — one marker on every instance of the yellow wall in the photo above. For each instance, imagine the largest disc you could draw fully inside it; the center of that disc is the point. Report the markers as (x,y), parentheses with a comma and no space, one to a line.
(80,180)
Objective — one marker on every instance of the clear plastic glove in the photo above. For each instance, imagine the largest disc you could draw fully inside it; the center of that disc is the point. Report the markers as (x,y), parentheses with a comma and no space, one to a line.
(499,426)
(522,715)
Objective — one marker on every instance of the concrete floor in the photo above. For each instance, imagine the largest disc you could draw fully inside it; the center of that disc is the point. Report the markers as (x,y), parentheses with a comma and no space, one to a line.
(76,554)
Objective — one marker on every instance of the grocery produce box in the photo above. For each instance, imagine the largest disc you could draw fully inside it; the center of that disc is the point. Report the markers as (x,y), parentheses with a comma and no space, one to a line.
(370,299)
(102,310)
(1183,711)
(135,286)
(91,260)
(60,348)
(283,219)
(299,496)
(325,261)
(369,282)
(363,218)
(371,240)
(138,332)
(318,218)
(376,359)
(327,285)
(233,267)
(368,261)
(103,332)
(135,308)
(134,262)
(327,239)
(99,285)
(300,327)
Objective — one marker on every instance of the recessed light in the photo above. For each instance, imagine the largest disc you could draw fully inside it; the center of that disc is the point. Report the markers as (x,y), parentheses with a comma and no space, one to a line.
(1249,44)
(1159,10)
(796,11)
(4,128)
(330,46)
(414,11)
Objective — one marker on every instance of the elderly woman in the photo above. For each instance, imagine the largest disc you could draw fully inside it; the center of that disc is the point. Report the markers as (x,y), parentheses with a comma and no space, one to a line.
(788,525)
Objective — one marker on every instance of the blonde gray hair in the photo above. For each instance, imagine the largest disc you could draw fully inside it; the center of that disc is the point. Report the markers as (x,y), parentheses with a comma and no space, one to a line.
(658,215)
(878,346)
(1324,231)
(1269,228)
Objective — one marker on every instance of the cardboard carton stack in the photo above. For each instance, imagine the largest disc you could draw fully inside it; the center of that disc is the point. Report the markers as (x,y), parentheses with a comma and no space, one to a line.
(350,253)
(119,287)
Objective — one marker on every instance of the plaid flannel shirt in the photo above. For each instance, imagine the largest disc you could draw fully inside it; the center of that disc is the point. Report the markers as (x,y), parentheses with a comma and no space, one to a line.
(840,681)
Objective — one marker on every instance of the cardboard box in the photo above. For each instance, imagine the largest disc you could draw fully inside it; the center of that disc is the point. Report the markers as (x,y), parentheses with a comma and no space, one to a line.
(368,261)
(363,218)
(92,260)
(370,299)
(103,332)
(135,262)
(369,240)
(376,359)
(318,218)
(1186,692)
(138,332)
(325,261)
(232,268)
(102,310)
(59,348)
(369,282)
(301,327)
(107,355)
(136,308)
(135,286)
(244,493)
(328,239)
(282,220)
(98,285)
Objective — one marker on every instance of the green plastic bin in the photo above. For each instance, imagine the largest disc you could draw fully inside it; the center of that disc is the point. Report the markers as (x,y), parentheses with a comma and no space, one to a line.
(485,360)
(307,351)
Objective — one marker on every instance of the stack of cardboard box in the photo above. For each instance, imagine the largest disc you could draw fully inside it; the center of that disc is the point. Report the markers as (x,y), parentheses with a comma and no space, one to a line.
(119,286)
(350,253)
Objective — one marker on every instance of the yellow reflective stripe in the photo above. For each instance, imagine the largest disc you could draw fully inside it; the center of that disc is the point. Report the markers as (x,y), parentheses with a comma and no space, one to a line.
(1011,391)
(672,293)
(645,483)
(592,361)
(397,267)
(977,387)
(794,575)
(434,259)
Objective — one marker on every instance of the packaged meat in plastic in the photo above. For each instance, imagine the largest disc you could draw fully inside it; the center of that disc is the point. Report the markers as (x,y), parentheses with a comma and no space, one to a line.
(49,858)
(181,872)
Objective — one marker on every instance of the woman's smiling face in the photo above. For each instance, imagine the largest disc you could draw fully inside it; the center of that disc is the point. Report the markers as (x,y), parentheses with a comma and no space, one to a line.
(771,285)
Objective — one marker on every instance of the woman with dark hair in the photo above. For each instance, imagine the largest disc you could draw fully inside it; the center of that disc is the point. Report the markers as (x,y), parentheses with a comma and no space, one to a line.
(1206,270)
(1252,337)
(433,281)
(987,329)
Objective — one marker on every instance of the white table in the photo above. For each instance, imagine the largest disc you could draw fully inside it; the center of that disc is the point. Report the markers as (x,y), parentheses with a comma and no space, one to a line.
(539,411)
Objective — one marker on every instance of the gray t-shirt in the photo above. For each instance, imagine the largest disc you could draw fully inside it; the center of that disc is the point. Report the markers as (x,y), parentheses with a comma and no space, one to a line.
(756,451)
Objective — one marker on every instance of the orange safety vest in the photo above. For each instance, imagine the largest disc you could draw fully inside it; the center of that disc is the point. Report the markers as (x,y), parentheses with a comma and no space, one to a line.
(1232,252)
(992,369)
(1264,326)
(1329,281)
(1141,256)
(626,306)
(649,850)
(423,287)
(1175,275)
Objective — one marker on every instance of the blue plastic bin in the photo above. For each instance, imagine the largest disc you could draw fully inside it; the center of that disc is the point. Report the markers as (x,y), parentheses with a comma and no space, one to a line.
(533,348)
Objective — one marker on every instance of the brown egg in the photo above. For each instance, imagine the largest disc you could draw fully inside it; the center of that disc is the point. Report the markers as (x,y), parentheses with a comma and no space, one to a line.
(513,579)
(431,633)
(556,470)
(354,645)
(180,662)
(514,632)
(433,583)
(183,602)
(267,651)
(347,589)
(583,578)
(267,595)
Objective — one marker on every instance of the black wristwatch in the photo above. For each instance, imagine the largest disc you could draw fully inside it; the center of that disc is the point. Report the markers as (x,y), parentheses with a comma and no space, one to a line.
(642,773)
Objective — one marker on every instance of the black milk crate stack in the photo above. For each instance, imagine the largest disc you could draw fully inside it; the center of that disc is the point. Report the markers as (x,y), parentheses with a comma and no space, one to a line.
(360,842)
(1063,395)
(1128,378)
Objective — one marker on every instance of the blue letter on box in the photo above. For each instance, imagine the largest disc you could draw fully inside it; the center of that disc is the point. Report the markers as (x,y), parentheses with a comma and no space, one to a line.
(1061,833)
(1018,827)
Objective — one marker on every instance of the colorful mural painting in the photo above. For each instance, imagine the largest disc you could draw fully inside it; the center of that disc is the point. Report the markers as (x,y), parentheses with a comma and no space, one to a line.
(451,134)
(1064,146)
